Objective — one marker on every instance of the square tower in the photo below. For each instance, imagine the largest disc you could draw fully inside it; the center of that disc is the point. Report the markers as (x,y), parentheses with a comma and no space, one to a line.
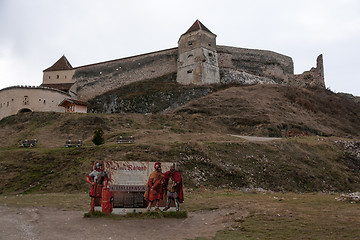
(197,62)
(59,75)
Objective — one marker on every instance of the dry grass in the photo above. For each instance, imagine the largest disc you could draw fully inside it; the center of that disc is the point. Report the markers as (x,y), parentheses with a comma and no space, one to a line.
(283,216)
(268,110)
(212,160)
(271,215)
(75,201)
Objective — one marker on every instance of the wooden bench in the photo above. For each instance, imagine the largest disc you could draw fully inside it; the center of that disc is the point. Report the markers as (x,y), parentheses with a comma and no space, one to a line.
(73,143)
(125,139)
(29,143)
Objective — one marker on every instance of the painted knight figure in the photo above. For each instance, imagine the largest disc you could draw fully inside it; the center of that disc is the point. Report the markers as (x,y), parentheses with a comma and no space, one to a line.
(155,187)
(98,179)
(174,188)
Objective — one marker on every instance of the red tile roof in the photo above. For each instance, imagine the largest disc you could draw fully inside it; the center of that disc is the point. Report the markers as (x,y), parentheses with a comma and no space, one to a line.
(77,102)
(197,26)
(61,64)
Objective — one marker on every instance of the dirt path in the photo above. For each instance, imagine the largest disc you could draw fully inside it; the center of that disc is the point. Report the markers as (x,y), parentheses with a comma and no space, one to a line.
(48,223)
(256,139)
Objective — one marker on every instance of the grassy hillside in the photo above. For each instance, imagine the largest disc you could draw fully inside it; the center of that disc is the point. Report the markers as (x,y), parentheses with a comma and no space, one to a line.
(271,110)
(261,110)
(197,135)
(206,158)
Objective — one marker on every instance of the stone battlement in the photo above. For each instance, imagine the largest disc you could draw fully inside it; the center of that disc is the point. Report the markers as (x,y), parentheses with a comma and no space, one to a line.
(32,87)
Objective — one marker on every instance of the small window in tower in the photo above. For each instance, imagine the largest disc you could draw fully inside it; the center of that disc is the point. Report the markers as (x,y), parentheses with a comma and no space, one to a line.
(57,76)
(26,100)
(7,104)
(39,99)
(189,43)
(65,76)
(209,44)
(44,101)
(49,77)
(189,71)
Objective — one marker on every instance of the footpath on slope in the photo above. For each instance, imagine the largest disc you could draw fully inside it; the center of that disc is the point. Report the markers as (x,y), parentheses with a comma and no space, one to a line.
(256,139)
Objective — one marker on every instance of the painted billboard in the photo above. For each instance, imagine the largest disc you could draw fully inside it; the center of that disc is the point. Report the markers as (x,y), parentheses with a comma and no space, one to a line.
(130,176)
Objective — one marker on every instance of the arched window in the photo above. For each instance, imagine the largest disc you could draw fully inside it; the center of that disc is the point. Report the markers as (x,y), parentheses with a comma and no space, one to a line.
(23,110)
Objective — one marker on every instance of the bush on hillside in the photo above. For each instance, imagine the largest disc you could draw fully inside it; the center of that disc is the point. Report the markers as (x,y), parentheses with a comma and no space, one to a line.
(98,138)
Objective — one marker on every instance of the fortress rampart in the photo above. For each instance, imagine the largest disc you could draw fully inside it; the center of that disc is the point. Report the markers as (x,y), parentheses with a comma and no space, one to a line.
(312,78)
(197,60)
(265,66)
(93,80)
(260,63)
(25,98)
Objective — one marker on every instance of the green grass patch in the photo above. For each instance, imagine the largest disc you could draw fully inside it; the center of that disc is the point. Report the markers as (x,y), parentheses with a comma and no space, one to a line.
(138,215)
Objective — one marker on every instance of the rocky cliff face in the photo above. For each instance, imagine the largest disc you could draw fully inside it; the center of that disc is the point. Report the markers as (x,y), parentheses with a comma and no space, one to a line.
(228,75)
(151,96)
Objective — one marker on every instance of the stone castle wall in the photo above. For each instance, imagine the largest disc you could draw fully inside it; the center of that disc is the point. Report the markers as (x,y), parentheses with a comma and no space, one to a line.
(15,99)
(259,65)
(200,61)
(239,65)
(312,78)
(96,79)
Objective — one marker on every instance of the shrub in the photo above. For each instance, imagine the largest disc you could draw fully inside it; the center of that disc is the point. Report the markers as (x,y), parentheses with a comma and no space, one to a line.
(98,138)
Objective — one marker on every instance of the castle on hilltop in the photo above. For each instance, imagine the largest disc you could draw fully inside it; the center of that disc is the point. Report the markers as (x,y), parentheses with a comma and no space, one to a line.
(197,60)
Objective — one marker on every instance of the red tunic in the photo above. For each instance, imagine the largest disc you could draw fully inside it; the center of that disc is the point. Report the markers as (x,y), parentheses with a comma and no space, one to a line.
(155,187)
(176,176)
(99,177)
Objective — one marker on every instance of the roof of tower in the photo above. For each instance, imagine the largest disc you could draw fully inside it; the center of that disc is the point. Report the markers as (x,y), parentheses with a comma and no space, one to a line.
(197,26)
(61,64)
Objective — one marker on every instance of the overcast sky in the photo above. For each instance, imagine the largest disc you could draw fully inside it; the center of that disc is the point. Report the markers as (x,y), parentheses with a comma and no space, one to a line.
(34,34)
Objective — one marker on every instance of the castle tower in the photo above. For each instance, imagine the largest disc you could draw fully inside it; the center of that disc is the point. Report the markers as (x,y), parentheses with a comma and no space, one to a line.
(197,61)
(59,75)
